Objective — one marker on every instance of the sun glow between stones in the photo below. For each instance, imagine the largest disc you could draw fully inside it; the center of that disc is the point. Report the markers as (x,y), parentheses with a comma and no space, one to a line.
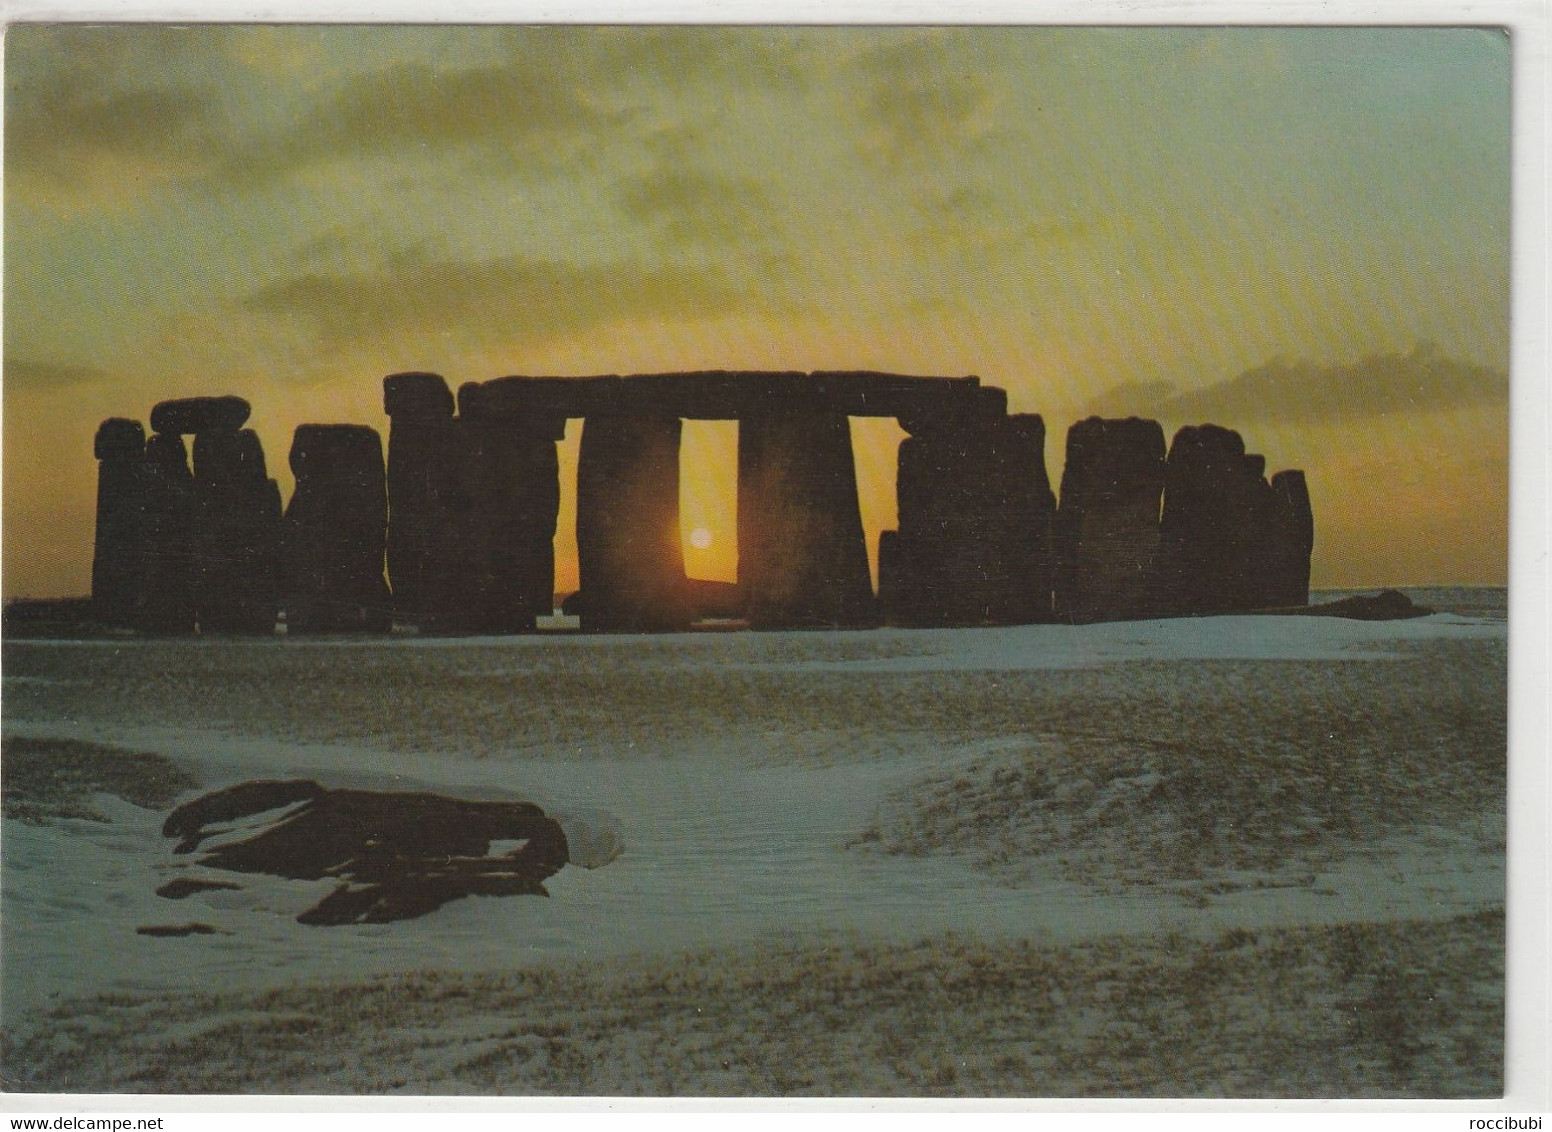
(700,538)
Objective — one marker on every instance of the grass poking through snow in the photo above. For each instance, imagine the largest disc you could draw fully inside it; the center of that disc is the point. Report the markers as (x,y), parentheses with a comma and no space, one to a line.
(43,780)
(1410,1009)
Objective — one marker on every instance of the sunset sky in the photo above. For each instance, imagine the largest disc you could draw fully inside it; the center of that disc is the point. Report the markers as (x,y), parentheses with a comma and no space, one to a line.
(1299,233)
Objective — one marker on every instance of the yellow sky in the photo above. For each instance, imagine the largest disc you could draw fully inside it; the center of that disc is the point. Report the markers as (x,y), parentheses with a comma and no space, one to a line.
(1299,233)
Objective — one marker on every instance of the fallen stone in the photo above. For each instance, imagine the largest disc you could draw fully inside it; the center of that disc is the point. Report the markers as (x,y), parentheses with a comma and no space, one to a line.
(184,887)
(1387,605)
(399,856)
(175,930)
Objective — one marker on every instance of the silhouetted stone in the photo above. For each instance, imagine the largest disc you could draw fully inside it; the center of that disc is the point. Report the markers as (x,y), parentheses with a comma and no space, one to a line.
(335,531)
(516,501)
(47,617)
(521,491)
(897,582)
(1215,525)
(169,538)
(802,555)
(236,534)
(731,394)
(419,444)
(417,394)
(118,554)
(715,600)
(200,414)
(398,855)
(489,560)
(1292,539)
(628,541)
(119,438)
(1106,531)
(454,574)
(473,501)
(975,510)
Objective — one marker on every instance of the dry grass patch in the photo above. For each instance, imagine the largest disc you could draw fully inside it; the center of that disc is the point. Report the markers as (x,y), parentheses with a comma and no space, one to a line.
(43,780)
(1405,1009)
(1219,769)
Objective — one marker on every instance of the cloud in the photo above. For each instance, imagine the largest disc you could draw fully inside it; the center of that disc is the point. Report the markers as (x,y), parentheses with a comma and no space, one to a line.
(31,373)
(924,104)
(81,129)
(516,296)
(678,58)
(555,98)
(981,226)
(515,112)
(691,206)
(1299,392)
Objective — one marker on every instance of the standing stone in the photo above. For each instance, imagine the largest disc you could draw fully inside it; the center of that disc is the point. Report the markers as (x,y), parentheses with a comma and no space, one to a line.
(517,489)
(335,531)
(236,534)
(1106,532)
(1216,506)
(629,545)
(897,581)
(454,577)
(169,537)
(118,554)
(802,554)
(420,407)
(1292,540)
(975,509)
(1027,509)
(489,560)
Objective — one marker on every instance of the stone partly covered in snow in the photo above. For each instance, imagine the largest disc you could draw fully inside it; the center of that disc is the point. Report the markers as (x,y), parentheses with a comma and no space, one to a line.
(399,855)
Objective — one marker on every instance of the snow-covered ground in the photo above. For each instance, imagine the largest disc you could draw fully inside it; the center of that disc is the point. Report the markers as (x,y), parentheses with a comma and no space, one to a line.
(752,799)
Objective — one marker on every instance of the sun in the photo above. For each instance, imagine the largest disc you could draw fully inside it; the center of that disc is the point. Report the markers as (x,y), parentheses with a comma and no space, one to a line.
(700,538)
